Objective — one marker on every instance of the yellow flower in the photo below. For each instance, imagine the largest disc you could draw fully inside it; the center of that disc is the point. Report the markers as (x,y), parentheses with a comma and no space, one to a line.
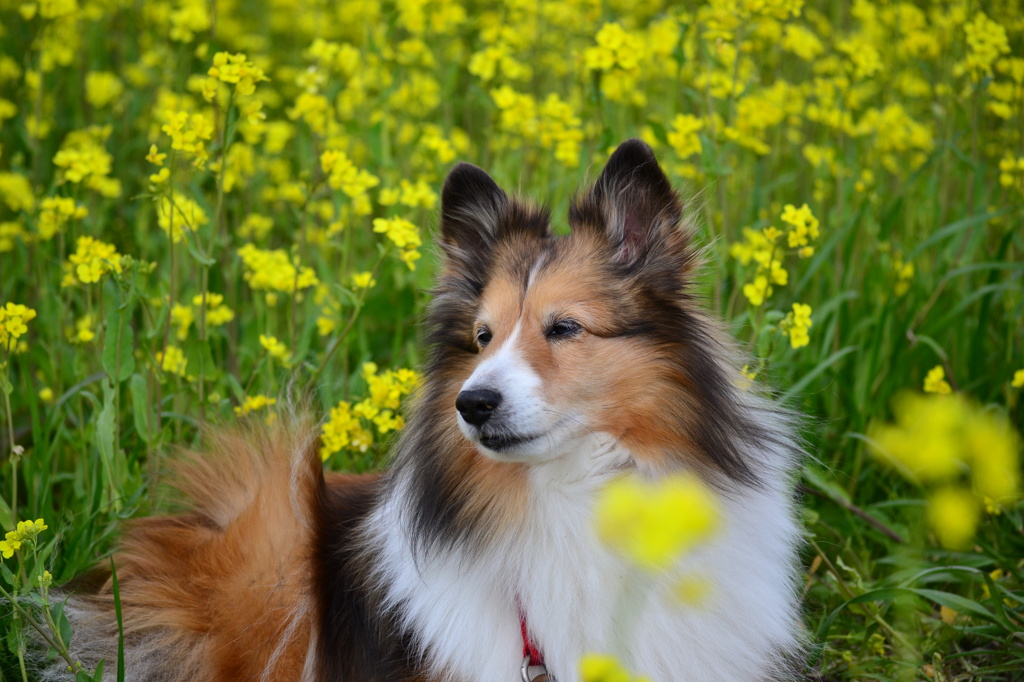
(30,529)
(953,514)
(254,403)
(655,522)
(237,70)
(154,156)
(178,213)
(46,394)
(1018,379)
(173,361)
(803,225)
(274,270)
(9,546)
(986,40)
(55,212)
(102,88)
(605,668)
(935,381)
(343,174)
(363,280)
(940,438)
(93,259)
(757,291)
(402,234)
(189,133)
(14,319)
(275,348)
(904,275)
(683,135)
(796,325)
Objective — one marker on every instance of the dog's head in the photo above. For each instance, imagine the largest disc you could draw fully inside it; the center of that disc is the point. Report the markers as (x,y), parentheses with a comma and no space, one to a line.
(540,340)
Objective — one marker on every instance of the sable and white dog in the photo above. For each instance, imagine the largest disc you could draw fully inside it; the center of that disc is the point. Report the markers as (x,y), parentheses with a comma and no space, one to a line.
(557,363)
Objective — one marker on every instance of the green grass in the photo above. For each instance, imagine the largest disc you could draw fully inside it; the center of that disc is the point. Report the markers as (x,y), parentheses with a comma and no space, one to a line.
(916,136)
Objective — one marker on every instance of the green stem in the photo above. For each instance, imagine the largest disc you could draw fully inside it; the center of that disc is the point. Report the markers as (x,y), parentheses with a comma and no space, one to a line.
(348,325)
(15,455)
(57,645)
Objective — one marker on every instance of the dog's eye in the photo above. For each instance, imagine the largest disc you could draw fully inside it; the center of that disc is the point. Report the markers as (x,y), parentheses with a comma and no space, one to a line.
(563,329)
(483,336)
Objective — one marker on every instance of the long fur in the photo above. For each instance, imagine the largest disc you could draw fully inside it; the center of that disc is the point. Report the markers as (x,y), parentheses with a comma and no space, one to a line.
(603,363)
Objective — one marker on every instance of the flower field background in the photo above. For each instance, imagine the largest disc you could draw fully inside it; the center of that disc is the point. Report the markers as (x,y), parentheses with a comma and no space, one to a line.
(207,206)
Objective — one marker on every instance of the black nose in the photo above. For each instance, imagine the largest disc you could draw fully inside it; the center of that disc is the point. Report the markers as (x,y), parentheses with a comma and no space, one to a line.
(476,406)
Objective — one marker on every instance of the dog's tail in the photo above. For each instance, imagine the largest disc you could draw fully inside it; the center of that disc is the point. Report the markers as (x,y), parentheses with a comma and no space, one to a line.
(220,591)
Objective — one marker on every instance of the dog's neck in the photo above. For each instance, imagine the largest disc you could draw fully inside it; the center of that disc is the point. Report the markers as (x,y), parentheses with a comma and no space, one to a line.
(460,602)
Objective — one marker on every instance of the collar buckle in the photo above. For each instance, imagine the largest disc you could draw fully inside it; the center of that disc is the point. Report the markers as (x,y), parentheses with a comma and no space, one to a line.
(531,672)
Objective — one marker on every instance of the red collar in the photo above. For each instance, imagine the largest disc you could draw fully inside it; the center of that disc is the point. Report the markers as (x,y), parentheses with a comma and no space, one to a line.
(530,649)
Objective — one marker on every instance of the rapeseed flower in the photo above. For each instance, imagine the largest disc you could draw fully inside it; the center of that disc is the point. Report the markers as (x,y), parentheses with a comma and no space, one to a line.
(605,668)
(683,135)
(254,403)
(237,70)
(348,427)
(343,174)
(55,213)
(945,439)
(953,514)
(273,270)
(92,260)
(402,234)
(935,381)
(904,275)
(14,319)
(654,523)
(1018,379)
(363,280)
(796,325)
(189,133)
(26,532)
(217,313)
(16,192)
(986,41)
(276,349)
(173,361)
(103,88)
(803,225)
(177,213)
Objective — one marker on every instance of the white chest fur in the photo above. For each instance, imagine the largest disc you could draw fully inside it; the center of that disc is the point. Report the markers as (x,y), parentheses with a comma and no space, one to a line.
(580,597)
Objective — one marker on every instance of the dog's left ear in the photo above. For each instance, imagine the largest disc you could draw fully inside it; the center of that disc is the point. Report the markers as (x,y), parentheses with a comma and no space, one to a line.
(472,208)
(634,205)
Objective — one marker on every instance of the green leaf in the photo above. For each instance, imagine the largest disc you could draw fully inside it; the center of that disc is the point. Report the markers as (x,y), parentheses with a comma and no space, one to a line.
(120,622)
(816,479)
(140,406)
(106,423)
(956,602)
(63,625)
(5,384)
(6,573)
(118,356)
(798,387)
(13,638)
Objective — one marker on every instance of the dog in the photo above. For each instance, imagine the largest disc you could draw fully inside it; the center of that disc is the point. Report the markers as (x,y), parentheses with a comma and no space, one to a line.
(557,363)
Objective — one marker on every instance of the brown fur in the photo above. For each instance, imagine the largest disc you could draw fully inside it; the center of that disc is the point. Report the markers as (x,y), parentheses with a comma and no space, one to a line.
(223,591)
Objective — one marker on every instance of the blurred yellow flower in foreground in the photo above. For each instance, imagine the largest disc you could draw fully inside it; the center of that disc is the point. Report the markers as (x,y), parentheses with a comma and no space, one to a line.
(946,440)
(653,523)
(954,514)
(605,668)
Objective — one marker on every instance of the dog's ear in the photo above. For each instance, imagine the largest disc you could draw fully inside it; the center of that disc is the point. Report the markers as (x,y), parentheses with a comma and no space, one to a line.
(472,210)
(634,205)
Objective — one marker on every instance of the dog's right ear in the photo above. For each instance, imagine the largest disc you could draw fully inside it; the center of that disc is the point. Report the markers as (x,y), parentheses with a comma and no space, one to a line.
(472,208)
